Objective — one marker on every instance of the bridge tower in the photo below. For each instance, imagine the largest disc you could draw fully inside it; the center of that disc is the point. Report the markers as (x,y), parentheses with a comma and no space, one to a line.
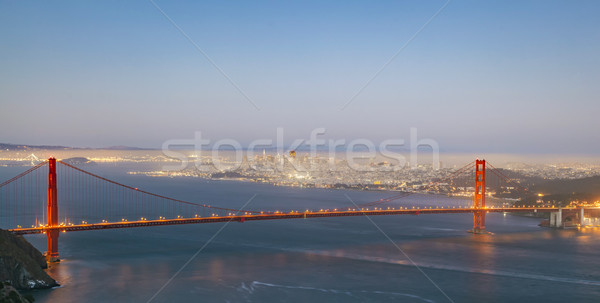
(52,235)
(479,215)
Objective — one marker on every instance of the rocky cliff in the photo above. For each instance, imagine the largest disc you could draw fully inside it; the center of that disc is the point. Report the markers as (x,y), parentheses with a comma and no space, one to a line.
(21,264)
(9,294)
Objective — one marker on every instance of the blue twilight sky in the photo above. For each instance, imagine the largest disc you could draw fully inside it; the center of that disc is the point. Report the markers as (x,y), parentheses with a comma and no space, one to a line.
(482,76)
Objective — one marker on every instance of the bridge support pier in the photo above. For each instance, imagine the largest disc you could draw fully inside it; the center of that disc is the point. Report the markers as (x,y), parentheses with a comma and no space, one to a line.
(52,253)
(556,219)
(479,225)
(591,220)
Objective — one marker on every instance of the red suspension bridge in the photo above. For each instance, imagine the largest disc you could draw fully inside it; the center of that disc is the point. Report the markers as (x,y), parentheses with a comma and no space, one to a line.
(91,202)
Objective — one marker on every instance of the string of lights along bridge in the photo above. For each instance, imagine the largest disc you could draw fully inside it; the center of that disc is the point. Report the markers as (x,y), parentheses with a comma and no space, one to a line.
(53,197)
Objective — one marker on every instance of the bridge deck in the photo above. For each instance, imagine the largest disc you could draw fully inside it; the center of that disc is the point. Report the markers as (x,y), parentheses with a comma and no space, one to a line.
(275,216)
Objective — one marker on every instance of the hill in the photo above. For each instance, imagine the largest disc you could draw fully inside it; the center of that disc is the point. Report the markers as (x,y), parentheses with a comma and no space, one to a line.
(8,146)
(79,161)
(9,294)
(18,147)
(21,264)
(561,192)
(590,185)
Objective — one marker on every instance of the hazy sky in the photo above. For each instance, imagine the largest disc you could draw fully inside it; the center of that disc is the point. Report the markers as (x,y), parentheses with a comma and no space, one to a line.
(482,76)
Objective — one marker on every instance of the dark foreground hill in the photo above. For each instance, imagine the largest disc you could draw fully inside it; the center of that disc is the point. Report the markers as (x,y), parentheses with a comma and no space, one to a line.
(9,294)
(21,264)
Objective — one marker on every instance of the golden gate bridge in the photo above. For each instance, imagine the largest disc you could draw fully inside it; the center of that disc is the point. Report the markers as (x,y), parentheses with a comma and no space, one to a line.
(29,204)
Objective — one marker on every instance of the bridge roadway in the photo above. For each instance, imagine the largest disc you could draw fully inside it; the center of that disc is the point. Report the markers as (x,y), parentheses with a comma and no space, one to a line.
(278,215)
